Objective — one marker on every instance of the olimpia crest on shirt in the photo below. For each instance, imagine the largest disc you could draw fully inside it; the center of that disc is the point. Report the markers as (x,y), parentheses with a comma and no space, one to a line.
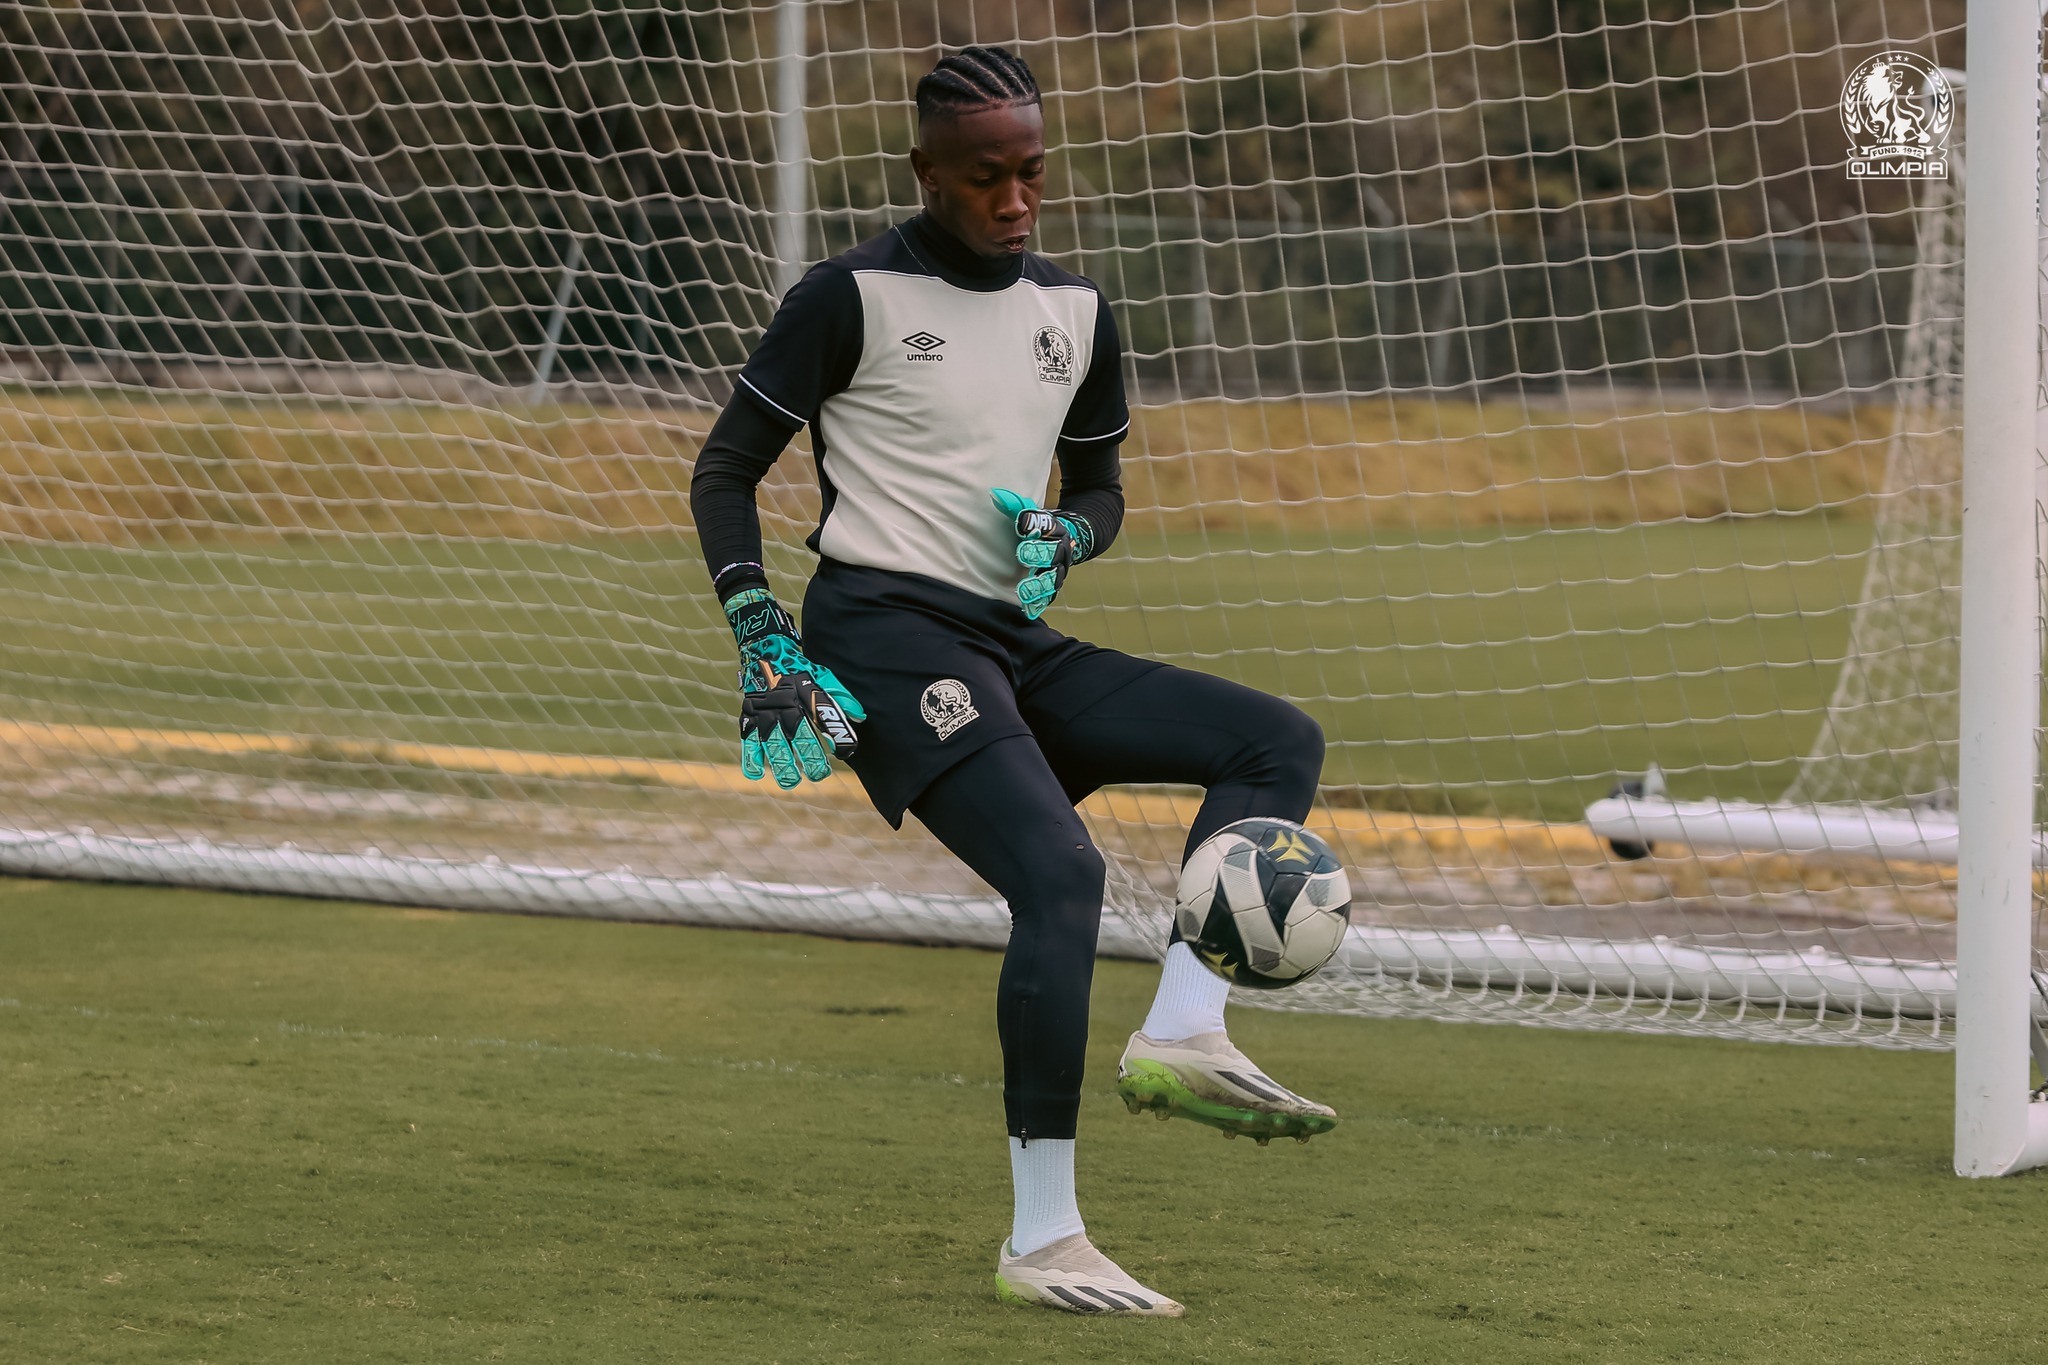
(1053,349)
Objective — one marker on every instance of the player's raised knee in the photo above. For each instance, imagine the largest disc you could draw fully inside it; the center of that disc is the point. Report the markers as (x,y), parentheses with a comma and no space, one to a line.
(1293,744)
(1075,876)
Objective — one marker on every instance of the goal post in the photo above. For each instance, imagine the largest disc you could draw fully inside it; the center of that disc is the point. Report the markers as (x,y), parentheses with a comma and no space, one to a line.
(1533,397)
(792,142)
(1998,1129)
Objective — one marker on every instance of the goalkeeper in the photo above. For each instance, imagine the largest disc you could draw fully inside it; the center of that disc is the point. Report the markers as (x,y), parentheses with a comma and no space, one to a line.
(941,367)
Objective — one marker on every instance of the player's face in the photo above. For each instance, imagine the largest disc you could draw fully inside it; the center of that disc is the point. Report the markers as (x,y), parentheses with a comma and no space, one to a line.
(983,174)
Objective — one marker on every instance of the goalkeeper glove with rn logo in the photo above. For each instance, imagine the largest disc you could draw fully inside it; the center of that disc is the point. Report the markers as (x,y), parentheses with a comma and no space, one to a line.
(795,716)
(1048,542)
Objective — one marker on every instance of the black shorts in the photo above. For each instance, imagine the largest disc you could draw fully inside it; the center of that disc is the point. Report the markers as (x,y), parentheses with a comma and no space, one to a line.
(943,672)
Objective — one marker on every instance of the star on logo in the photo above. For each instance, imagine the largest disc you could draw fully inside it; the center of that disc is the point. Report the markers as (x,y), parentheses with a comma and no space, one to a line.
(1287,846)
(923,341)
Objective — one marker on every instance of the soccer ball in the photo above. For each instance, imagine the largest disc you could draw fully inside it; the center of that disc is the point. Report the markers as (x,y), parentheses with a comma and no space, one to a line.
(1263,903)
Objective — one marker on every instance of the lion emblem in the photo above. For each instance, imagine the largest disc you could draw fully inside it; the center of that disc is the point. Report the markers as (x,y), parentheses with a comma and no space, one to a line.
(1053,349)
(1897,105)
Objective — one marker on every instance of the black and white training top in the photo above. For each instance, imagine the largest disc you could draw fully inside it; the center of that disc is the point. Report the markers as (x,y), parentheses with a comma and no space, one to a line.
(928,376)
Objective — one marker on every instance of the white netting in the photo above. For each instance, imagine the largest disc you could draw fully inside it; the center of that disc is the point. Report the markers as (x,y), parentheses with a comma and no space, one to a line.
(1523,389)
(1891,729)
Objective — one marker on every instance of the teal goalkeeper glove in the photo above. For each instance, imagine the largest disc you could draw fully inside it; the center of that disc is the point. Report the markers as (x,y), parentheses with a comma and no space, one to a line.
(795,716)
(1048,542)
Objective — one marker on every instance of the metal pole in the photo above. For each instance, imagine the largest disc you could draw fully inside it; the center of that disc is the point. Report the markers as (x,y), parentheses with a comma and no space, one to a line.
(792,145)
(643,288)
(1997,1130)
(2041,316)
(551,344)
(295,247)
(1208,373)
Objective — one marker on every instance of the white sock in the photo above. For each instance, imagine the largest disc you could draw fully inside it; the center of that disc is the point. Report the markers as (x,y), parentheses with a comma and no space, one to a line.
(1043,1176)
(1190,999)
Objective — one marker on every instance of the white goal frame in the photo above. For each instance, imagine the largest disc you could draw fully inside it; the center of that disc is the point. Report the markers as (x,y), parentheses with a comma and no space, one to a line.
(2001,1120)
(2000,1128)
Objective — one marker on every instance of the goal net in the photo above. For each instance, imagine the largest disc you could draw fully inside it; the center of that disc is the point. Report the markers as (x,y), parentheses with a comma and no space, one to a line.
(1526,390)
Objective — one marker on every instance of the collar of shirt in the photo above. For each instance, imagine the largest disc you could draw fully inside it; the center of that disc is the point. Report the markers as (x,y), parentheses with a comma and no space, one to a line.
(953,261)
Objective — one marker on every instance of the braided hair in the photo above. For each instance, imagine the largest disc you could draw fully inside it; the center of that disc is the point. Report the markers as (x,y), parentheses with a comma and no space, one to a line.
(973,79)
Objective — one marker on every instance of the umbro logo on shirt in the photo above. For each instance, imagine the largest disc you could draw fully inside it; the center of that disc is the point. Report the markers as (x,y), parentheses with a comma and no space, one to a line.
(924,346)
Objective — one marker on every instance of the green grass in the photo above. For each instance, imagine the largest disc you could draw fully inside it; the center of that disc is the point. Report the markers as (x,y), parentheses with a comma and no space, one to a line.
(1537,663)
(264,1130)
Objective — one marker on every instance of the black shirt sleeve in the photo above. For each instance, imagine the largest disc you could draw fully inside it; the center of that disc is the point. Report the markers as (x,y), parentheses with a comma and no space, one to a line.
(1091,481)
(808,353)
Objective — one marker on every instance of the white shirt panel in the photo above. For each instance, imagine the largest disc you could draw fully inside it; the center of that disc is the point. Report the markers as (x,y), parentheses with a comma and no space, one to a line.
(928,426)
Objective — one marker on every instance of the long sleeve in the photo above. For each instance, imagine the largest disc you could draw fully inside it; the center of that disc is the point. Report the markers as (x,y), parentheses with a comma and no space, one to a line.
(808,353)
(1091,479)
(744,444)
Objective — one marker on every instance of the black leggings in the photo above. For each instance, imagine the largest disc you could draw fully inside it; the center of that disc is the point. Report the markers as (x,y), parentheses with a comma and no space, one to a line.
(1007,811)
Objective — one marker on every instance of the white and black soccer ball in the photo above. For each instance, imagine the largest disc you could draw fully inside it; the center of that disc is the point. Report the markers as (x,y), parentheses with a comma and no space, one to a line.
(1263,903)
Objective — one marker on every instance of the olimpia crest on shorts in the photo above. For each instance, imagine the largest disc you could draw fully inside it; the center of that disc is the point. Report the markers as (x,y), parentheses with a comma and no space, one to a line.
(946,706)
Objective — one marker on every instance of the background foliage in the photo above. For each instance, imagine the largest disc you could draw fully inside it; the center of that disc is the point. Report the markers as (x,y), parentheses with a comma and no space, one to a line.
(1284,196)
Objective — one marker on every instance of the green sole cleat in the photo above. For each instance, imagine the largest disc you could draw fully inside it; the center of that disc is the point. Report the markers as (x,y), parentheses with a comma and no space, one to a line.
(1148,1085)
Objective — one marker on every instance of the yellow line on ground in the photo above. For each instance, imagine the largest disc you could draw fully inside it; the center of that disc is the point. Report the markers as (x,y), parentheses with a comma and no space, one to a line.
(469,758)
(1438,832)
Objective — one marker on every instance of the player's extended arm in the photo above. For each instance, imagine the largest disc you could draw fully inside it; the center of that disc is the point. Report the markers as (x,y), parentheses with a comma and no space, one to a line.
(794,714)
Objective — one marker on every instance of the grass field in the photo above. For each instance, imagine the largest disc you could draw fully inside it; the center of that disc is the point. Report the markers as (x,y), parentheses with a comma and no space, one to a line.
(120,467)
(1489,606)
(1533,663)
(245,1129)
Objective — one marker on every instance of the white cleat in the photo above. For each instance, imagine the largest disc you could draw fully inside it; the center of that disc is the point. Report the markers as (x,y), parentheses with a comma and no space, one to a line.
(1206,1079)
(1072,1276)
